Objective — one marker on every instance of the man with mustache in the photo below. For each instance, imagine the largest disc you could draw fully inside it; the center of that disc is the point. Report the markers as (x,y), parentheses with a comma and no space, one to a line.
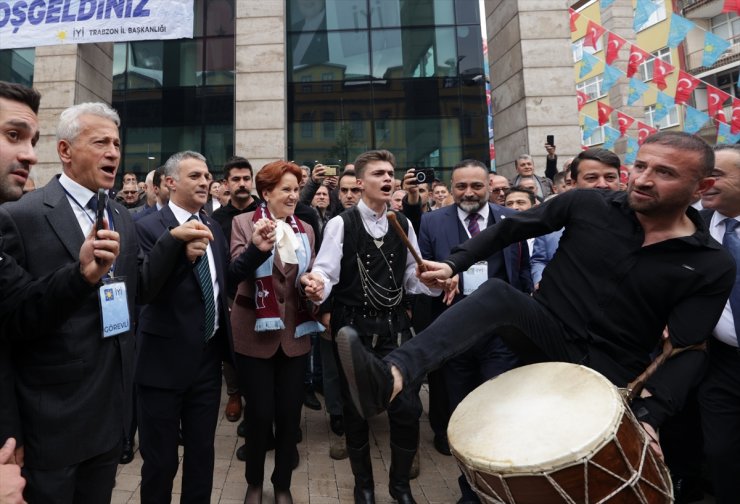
(629,265)
(440,232)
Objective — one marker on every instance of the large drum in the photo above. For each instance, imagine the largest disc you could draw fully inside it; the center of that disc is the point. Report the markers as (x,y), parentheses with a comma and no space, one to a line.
(555,433)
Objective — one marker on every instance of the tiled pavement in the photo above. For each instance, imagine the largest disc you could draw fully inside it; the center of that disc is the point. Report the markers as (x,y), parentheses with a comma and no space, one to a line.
(318,479)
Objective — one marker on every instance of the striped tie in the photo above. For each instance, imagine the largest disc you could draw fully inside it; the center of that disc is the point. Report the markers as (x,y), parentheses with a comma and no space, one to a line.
(473,226)
(206,285)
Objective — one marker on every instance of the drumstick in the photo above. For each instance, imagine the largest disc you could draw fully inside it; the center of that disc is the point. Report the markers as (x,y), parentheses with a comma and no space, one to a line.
(634,387)
(405,239)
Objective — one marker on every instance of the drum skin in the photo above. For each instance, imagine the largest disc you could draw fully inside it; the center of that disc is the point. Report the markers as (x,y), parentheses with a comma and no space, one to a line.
(555,433)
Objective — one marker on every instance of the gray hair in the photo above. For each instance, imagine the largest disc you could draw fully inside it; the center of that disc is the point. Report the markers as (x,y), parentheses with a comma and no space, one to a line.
(171,167)
(69,120)
(523,157)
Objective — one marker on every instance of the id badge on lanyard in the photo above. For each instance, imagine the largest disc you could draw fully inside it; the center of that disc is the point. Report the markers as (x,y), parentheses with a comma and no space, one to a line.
(474,277)
(114,311)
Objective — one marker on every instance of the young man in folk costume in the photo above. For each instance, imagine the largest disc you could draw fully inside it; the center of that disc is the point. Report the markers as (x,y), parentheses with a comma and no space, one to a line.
(368,268)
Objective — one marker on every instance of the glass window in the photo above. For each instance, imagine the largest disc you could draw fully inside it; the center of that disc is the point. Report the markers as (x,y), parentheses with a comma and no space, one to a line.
(219,64)
(666,122)
(394,13)
(16,65)
(312,15)
(344,54)
(657,16)
(646,68)
(470,61)
(592,87)
(467,12)
(219,17)
(579,48)
(726,26)
(596,138)
(421,142)
(343,146)
(414,52)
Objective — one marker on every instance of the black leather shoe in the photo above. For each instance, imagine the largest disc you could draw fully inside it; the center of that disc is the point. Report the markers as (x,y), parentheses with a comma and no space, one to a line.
(241,429)
(311,401)
(241,452)
(369,378)
(127,453)
(441,444)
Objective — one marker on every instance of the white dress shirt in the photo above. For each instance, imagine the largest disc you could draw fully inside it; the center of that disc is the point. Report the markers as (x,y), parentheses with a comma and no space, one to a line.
(725,330)
(182,217)
(328,260)
(78,197)
(482,222)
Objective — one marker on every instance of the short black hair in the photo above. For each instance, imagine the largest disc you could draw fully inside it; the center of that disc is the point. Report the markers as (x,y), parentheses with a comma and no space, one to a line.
(688,142)
(158,175)
(236,162)
(604,156)
(532,196)
(20,93)
(470,163)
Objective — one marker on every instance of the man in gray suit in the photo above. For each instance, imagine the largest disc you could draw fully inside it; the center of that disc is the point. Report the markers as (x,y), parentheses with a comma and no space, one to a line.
(72,387)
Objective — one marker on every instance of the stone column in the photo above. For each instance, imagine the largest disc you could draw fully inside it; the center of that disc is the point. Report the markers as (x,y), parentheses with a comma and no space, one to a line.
(619,19)
(66,75)
(260,118)
(532,80)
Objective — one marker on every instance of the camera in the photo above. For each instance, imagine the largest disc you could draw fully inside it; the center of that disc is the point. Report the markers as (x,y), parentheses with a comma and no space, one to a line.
(424,175)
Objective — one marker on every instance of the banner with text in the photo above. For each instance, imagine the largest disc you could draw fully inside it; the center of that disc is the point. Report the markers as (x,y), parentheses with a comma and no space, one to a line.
(31,23)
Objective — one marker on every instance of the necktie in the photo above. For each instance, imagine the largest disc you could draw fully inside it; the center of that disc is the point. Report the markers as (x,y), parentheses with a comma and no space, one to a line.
(732,243)
(93,203)
(206,285)
(473,227)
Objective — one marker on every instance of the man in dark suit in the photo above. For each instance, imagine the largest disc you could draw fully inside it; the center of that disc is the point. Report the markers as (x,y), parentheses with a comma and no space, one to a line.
(161,193)
(72,385)
(441,231)
(719,394)
(184,333)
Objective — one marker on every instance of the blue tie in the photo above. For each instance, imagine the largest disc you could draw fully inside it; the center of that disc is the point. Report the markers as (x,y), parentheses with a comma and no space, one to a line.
(731,242)
(206,285)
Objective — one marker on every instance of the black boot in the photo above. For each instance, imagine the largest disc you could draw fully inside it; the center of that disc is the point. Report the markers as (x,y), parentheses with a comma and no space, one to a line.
(362,469)
(398,484)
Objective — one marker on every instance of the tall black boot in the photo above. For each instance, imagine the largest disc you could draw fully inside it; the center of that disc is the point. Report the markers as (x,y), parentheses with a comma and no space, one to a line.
(398,485)
(362,469)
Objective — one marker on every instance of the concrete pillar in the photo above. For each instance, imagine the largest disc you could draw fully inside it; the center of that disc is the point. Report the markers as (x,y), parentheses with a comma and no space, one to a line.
(532,80)
(66,75)
(260,116)
(619,19)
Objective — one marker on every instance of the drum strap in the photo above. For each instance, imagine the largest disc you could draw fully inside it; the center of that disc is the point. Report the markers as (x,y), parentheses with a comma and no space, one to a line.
(635,387)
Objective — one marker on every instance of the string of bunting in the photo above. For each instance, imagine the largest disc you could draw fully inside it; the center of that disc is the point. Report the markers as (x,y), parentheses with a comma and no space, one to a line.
(686,83)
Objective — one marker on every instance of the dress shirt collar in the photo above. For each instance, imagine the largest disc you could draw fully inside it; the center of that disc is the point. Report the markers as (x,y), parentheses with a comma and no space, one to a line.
(80,193)
(368,213)
(180,213)
(483,212)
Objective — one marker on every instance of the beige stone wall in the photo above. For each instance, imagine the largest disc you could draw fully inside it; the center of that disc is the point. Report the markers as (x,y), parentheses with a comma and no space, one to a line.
(66,75)
(260,114)
(533,90)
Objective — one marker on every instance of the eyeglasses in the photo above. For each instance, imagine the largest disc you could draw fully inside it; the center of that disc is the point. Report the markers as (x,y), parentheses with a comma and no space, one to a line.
(499,189)
(355,190)
(129,192)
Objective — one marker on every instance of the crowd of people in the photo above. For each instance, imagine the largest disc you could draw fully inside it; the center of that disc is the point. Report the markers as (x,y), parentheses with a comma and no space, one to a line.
(289,282)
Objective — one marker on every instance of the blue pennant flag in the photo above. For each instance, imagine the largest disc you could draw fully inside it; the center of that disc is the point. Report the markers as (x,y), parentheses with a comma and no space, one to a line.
(610,137)
(635,91)
(611,76)
(643,10)
(680,26)
(605,4)
(631,153)
(714,46)
(587,64)
(694,120)
(725,134)
(663,106)
(589,126)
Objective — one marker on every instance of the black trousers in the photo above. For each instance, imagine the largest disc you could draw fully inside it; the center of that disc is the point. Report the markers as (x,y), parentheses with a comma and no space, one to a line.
(527,328)
(89,482)
(273,392)
(161,414)
(719,400)
(380,334)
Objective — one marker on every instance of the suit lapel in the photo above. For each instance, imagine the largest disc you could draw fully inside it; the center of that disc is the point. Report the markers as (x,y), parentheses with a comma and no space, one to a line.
(62,218)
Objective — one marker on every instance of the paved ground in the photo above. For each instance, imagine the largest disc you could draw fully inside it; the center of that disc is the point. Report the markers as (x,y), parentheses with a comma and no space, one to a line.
(318,479)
